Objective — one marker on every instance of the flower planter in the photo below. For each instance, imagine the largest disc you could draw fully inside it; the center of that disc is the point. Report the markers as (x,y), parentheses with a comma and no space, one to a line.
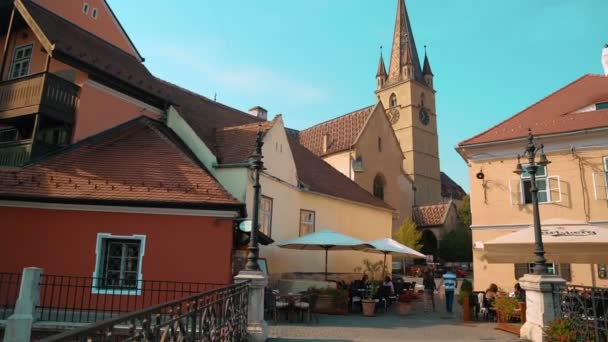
(404,308)
(369,307)
(466,308)
(329,304)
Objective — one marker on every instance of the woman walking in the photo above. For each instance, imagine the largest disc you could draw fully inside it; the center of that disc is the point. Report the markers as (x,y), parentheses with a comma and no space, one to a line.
(428,280)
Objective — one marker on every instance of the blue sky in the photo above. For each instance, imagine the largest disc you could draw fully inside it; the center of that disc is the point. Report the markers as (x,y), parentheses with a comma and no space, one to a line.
(316,59)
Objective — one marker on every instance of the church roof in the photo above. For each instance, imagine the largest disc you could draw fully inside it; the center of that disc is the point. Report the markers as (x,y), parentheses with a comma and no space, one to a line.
(404,47)
(431,215)
(235,144)
(426,70)
(560,112)
(341,132)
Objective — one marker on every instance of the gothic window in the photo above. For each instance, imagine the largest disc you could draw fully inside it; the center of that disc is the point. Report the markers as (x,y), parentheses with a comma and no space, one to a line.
(422,100)
(379,186)
(379,144)
(392,102)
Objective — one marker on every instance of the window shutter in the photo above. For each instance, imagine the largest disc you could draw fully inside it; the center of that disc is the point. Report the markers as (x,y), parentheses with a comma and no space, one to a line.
(564,272)
(520,270)
(555,189)
(515,192)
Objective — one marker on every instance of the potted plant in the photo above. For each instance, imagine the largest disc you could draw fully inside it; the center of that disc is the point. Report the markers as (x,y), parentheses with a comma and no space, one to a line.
(560,330)
(331,301)
(368,303)
(506,308)
(405,302)
(466,288)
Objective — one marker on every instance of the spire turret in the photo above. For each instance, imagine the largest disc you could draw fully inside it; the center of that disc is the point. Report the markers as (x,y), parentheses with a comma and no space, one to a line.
(381,73)
(426,70)
(404,51)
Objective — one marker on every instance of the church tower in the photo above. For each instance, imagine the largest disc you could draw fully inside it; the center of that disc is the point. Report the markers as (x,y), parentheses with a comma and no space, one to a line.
(408,95)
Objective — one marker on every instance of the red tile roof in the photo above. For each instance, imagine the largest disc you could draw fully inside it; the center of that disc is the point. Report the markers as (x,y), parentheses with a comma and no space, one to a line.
(237,143)
(139,162)
(341,131)
(555,113)
(316,175)
(431,215)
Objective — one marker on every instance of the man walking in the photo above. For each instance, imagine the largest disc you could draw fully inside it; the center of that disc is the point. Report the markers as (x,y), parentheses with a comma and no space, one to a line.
(450,283)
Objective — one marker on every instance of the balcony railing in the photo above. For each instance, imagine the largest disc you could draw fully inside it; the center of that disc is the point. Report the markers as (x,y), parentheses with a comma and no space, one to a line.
(15,154)
(43,92)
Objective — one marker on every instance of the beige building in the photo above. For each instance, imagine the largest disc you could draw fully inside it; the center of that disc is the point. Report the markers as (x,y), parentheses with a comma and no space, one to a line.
(572,123)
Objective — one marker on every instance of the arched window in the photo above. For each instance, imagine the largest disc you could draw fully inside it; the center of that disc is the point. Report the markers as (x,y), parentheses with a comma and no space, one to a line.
(379,186)
(392,101)
(422,100)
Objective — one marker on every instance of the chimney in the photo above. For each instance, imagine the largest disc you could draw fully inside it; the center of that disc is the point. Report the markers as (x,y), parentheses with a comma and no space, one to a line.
(259,112)
(605,59)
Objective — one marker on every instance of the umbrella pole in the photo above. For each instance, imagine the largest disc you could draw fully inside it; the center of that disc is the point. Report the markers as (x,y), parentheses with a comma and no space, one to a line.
(384,267)
(326,249)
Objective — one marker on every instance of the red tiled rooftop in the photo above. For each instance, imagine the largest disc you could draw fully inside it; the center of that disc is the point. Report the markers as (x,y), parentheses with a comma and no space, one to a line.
(139,161)
(555,113)
(341,132)
(431,215)
(237,143)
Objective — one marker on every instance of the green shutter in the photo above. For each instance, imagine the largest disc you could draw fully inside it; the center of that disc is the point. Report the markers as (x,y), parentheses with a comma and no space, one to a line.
(520,270)
(564,271)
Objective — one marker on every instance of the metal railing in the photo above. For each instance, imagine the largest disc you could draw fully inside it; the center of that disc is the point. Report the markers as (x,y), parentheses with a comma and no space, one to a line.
(585,308)
(9,291)
(85,299)
(218,315)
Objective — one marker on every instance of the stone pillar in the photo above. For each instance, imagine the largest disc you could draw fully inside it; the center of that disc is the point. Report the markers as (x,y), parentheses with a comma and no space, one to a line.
(257,328)
(19,324)
(540,306)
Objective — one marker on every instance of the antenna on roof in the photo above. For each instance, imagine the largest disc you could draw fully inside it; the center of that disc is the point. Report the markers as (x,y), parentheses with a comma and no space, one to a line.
(215,97)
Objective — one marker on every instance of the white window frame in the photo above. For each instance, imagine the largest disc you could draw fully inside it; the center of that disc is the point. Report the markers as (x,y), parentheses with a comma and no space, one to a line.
(605,160)
(99,253)
(548,189)
(598,178)
(94,13)
(15,61)
(307,222)
(85,7)
(266,217)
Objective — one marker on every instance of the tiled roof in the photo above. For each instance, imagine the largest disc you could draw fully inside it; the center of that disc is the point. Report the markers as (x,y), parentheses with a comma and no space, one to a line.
(73,41)
(451,189)
(555,113)
(204,115)
(140,162)
(316,175)
(237,143)
(431,215)
(341,132)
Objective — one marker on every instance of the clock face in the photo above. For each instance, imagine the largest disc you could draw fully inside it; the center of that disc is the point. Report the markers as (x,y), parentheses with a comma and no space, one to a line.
(424,116)
(392,115)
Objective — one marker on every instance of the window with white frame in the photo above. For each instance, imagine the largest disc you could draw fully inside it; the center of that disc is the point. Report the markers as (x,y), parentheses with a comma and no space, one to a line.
(119,264)
(85,8)
(307,222)
(600,180)
(22,58)
(549,188)
(265,215)
(94,13)
(606,174)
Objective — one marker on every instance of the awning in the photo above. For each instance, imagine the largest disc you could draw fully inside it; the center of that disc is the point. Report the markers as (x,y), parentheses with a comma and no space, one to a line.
(565,243)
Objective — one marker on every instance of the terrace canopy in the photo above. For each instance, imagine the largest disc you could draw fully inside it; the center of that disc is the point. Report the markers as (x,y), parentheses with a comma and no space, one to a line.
(390,246)
(563,243)
(325,240)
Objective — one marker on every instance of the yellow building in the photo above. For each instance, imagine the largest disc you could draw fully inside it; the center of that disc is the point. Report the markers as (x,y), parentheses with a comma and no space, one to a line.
(572,123)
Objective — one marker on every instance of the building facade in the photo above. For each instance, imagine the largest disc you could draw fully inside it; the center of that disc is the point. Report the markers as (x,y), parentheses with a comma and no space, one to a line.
(572,124)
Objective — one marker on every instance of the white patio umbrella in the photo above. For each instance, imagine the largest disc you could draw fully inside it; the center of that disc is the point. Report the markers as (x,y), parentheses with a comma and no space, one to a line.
(390,246)
(567,243)
(324,240)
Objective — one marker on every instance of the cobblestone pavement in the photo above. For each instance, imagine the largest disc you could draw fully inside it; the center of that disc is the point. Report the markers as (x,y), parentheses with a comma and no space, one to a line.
(417,326)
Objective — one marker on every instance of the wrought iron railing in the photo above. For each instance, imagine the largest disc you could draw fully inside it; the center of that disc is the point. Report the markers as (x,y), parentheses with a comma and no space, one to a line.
(15,154)
(585,308)
(218,315)
(9,291)
(85,299)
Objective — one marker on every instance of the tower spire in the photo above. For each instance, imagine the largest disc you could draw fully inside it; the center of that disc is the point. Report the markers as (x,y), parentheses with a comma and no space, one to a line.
(381,68)
(404,49)
(426,69)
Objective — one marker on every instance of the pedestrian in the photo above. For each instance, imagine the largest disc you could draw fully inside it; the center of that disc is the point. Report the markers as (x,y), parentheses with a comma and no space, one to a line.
(428,281)
(449,283)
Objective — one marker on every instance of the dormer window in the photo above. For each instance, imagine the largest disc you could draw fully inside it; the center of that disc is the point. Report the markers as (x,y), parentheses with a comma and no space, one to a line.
(602,105)
(85,8)
(392,101)
(94,13)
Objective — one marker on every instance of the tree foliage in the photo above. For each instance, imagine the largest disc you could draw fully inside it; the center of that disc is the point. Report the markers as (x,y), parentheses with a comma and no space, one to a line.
(464,211)
(408,235)
(457,245)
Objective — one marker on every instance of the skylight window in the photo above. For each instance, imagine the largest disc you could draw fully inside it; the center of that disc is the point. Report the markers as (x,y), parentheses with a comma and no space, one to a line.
(85,8)
(603,105)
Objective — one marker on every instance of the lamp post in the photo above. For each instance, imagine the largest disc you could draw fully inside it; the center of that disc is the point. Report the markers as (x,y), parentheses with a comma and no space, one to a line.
(257,165)
(532,168)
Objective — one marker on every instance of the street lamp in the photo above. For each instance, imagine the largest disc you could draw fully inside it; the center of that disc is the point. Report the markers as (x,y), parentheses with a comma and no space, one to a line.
(257,165)
(532,168)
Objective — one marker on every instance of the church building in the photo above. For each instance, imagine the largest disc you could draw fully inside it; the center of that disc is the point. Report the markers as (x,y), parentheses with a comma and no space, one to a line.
(391,148)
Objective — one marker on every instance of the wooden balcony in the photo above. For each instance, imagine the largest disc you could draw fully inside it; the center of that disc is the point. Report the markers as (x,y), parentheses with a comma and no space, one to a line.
(15,154)
(43,93)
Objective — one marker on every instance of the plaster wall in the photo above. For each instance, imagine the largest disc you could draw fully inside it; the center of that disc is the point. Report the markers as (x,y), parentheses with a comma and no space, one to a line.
(342,162)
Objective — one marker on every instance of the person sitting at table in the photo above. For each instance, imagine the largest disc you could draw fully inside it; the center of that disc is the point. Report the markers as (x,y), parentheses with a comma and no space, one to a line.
(520,294)
(389,284)
(492,292)
(364,279)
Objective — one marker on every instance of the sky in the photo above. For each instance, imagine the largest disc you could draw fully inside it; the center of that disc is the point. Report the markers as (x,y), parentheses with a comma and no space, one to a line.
(314,60)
